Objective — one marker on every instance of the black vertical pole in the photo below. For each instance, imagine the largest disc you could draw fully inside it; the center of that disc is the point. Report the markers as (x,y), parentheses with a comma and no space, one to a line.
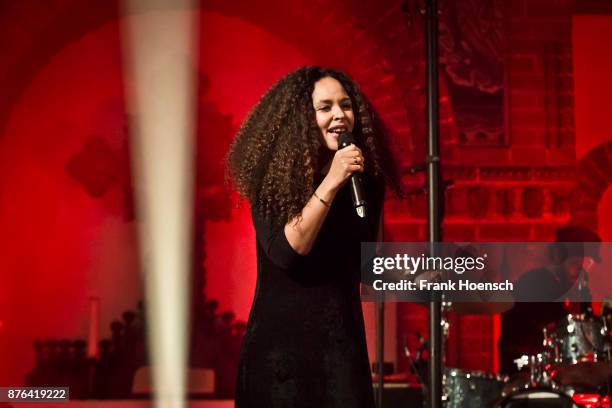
(433,198)
(380,324)
(380,349)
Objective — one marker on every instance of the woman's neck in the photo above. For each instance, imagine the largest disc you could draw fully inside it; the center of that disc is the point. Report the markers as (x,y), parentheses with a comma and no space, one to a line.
(325,168)
(325,158)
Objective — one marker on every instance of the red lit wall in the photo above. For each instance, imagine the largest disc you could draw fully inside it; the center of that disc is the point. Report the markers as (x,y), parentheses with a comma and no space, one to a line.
(60,244)
(66,205)
(592,57)
(66,216)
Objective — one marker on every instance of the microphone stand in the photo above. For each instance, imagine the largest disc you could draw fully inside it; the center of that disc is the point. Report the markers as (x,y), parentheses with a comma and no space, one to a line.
(434,188)
(380,348)
(380,325)
(434,215)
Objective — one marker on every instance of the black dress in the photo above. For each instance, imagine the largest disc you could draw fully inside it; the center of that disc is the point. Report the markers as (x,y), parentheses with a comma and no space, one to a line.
(305,341)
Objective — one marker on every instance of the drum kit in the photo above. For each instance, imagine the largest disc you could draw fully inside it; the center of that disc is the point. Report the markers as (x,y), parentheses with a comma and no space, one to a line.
(573,369)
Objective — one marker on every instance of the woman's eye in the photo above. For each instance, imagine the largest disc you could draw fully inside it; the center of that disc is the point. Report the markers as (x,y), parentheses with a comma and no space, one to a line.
(325,108)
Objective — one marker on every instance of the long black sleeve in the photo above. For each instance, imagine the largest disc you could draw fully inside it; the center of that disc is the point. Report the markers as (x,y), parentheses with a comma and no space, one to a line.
(273,241)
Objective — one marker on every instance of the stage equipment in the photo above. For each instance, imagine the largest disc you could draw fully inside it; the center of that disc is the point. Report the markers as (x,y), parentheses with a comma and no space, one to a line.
(471,389)
(434,213)
(578,338)
(573,367)
(535,398)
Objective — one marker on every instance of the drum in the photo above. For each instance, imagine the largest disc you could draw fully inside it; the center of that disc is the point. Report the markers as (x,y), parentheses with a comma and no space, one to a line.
(471,389)
(536,376)
(537,398)
(579,338)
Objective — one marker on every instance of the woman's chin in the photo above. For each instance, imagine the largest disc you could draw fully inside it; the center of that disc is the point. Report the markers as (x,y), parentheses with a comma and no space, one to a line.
(332,145)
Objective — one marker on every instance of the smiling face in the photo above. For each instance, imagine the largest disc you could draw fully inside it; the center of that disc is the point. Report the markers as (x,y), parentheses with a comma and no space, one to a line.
(334,110)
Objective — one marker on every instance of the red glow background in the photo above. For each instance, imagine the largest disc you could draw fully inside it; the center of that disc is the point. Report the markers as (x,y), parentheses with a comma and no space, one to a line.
(66,214)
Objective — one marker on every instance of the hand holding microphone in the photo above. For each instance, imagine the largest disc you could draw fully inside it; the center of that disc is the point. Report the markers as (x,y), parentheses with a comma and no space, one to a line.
(346,142)
(346,165)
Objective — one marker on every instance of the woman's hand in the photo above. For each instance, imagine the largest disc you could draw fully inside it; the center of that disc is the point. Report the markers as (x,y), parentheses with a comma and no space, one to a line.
(345,162)
(301,232)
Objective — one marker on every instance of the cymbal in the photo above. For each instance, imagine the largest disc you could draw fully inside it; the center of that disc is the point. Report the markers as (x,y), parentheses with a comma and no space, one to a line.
(481,308)
(587,373)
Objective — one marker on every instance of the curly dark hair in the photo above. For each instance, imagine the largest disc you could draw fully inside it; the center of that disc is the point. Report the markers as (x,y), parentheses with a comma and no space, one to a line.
(278,151)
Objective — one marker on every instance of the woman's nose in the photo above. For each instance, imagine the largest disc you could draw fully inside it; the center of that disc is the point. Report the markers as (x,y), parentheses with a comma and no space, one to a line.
(338,112)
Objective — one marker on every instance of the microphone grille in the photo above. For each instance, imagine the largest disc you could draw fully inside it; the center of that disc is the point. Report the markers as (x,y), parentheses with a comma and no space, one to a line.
(345,139)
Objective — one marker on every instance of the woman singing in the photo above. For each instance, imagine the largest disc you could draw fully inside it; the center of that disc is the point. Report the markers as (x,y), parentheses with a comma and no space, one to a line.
(305,342)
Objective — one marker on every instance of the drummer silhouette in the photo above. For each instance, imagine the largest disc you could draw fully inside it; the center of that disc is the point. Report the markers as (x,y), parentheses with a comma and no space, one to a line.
(546,295)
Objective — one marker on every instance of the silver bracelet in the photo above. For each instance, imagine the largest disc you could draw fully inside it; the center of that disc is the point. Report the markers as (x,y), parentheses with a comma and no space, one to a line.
(325,203)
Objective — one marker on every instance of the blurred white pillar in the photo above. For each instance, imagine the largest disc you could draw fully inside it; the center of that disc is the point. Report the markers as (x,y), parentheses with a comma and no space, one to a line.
(159,53)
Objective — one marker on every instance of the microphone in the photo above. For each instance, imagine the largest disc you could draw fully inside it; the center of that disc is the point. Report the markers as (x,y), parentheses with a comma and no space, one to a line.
(357,194)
